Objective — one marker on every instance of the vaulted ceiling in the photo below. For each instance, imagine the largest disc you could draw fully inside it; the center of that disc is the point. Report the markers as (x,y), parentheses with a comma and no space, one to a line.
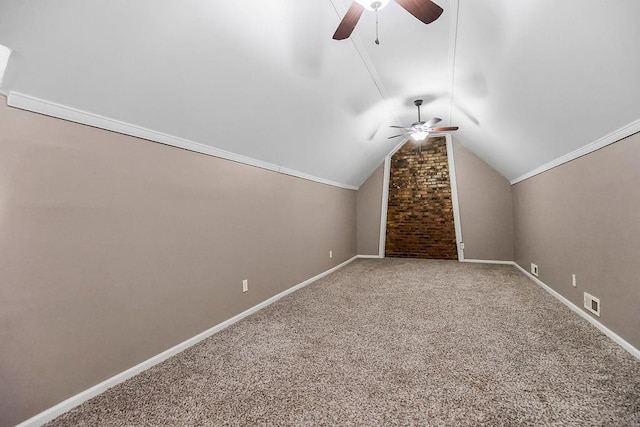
(526,81)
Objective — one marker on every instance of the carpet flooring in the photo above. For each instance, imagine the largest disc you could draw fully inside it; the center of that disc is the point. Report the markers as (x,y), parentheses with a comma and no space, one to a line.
(391,342)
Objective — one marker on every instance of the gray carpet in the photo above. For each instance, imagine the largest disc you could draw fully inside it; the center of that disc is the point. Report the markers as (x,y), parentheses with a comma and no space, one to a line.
(393,341)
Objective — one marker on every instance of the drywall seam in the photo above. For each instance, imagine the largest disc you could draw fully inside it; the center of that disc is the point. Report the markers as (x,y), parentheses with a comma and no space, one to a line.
(362,52)
(41,106)
(454,198)
(73,401)
(608,332)
(614,136)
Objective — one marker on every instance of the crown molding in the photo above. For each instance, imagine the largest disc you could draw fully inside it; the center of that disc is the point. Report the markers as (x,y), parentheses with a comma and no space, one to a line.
(52,109)
(614,136)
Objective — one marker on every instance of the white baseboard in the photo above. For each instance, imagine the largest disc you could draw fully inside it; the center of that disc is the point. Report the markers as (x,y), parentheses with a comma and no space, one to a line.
(488,261)
(608,332)
(82,397)
(97,389)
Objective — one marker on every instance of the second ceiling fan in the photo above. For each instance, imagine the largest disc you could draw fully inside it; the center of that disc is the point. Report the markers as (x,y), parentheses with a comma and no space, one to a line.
(420,130)
(425,10)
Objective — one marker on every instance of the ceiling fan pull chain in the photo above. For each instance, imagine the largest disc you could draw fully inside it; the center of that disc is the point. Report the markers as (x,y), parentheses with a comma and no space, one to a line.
(377,41)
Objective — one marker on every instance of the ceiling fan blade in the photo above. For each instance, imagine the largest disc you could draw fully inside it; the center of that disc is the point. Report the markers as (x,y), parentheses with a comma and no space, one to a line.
(425,10)
(443,129)
(395,136)
(349,21)
(400,127)
(433,122)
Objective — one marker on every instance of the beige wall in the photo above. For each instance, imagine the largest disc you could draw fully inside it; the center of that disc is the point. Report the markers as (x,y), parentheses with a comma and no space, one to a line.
(369,212)
(583,218)
(114,249)
(486,212)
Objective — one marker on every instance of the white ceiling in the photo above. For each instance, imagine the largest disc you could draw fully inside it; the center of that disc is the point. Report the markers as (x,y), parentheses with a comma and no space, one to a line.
(531,81)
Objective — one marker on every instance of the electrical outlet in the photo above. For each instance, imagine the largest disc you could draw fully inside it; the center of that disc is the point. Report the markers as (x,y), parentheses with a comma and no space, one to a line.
(245,285)
(592,304)
(330,254)
(573,280)
(534,269)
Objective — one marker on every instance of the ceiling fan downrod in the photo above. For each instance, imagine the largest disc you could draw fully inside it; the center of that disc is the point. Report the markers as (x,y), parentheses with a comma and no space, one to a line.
(376,5)
(418,103)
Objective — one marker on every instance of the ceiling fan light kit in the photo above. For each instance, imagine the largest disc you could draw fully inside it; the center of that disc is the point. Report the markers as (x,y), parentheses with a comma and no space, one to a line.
(419,136)
(419,131)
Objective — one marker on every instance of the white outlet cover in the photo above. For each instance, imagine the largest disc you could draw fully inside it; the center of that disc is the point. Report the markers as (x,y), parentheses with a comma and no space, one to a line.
(534,269)
(245,285)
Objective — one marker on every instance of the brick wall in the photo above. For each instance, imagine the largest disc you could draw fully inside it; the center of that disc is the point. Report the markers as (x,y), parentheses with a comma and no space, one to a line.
(420,215)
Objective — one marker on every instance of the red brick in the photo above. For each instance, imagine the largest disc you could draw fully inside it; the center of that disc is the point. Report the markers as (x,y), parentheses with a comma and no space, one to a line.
(420,212)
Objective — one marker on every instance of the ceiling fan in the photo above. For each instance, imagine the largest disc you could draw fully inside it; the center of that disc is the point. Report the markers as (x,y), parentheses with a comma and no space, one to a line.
(425,10)
(419,131)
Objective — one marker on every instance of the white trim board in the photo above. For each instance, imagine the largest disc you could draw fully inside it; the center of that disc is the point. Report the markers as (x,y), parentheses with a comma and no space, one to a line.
(488,261)
(608,332)
(454,194)
(82,397)
(385,197)
(369,256)
(385,205)
(73,401)
(41,106)
(453,182)
(614,136)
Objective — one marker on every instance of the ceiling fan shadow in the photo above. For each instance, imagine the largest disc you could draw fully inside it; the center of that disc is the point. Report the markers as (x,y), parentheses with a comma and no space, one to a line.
(472,85)
(307,38)
(426,99)
(373,135)
(467,114)
(359,105)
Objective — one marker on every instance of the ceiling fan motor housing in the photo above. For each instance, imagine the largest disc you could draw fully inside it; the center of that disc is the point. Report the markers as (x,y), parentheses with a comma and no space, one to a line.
(373,4)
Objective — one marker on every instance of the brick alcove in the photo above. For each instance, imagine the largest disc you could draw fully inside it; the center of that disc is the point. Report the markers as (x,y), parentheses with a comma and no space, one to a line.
(420,220)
